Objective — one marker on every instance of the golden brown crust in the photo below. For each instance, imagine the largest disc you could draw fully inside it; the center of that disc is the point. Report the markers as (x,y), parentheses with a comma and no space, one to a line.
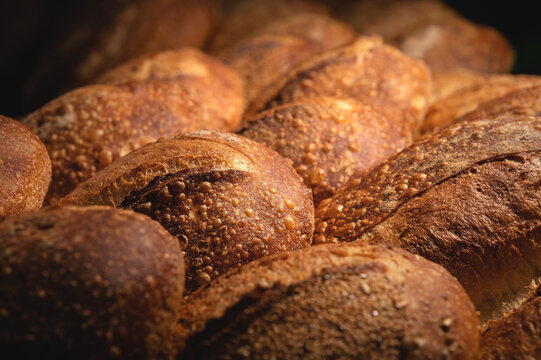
(87,283)
(87,128)
(366,70)
(458,43)
(227,199)
(465,198)
(517,335)
(329,140)
(261,60)
(525,101)
(449,82)
(243,18)
(25,168)
(104,34)
(445,111)
(332,301)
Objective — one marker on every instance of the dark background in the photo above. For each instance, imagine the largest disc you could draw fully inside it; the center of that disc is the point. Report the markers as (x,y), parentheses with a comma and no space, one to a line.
(27,26)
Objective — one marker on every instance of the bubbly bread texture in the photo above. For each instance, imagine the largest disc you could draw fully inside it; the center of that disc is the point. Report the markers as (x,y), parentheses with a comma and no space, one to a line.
(365,70)
(525,101)
(262,60)
(444,112)
(467,198)
(330,301)
(93,283)
(242,18)
(107,33)
(329,140)
(228,199)
(517,335)
(158,95)
(25,168)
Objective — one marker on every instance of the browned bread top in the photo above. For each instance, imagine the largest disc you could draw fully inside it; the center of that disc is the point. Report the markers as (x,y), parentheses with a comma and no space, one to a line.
(525,101)
(90,282)
(86,129)
(448,82)
(228,199)
(517,335)
(25,168)
(443,112)
(365,70)
(332,301)
(329,140)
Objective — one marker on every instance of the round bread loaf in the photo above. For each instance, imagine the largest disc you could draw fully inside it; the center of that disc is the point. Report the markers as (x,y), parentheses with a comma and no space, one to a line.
(366,70)
(330,302)
(243,18)
(25,168)
(443,112)
(467,198)
(226,198)
(329,140)
(86,129)
(92,283)
(517,335)
(525,101)
(261,60)
(105,33)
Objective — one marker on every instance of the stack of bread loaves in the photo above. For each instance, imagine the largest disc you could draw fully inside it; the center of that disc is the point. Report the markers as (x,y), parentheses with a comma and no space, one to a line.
(309,179)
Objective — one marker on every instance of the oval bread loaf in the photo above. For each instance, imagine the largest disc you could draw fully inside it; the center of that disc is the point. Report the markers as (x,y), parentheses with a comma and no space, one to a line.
(25,168)
(92,283)
(467,198)
(226,198)
(332,301)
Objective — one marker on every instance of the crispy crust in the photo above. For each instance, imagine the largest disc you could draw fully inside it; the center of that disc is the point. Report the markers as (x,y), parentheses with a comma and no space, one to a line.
(261,60)
(458,43)
(449,82)
(330,301)
(329,140)
(525,101)
(227,199)
(365,70)
(445,111)
(87,283)
(243,18)
(25,169)
(87,128)
(107,33)
(517,335)
(466,198)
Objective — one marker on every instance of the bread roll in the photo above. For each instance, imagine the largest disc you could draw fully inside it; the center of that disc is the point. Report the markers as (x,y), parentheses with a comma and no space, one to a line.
(227,199)
(105,33)
(262,60)
(467,198)
(243,18)
(330,302)
(25,168)
(517,335)
(328,140)
(86,129)
(525,101)
(366,70)
(445,111)
(92,283)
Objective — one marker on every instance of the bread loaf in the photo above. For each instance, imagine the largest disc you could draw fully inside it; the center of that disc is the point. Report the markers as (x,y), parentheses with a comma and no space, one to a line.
(334,301)
(443,112)
(92,283)
(467,198)
(517,335)
(105,33)
(227,199)
(86,129)
(449,82)
(25,169)
(365,70)
(329,140)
